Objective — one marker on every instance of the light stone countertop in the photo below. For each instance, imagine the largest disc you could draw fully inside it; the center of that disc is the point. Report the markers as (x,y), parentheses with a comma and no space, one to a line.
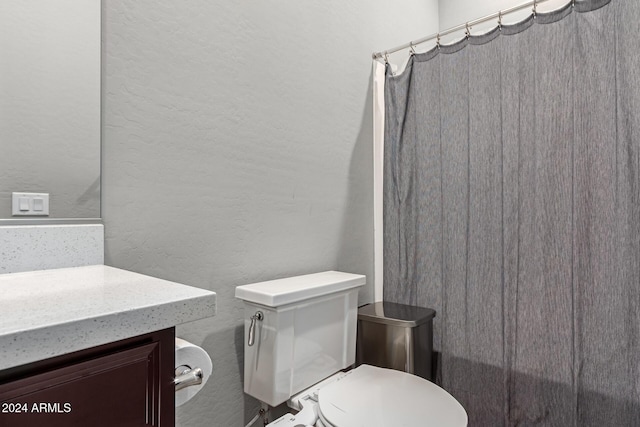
(52,312)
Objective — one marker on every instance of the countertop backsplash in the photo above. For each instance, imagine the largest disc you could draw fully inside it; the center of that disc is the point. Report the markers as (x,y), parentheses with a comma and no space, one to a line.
(43,247)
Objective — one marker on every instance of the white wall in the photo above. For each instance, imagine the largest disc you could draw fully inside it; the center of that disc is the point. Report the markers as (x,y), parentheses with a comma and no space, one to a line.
(238,147)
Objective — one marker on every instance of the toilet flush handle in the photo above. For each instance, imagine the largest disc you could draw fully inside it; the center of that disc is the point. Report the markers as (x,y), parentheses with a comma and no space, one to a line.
(252,327)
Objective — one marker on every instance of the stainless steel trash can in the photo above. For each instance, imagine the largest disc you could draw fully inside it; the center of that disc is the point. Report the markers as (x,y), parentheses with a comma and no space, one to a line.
(396,336)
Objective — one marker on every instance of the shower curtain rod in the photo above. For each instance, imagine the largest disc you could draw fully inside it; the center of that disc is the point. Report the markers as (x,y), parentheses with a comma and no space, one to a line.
(466,26)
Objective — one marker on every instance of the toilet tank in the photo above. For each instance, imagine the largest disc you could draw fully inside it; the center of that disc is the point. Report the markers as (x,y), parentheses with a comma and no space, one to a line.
(307,332)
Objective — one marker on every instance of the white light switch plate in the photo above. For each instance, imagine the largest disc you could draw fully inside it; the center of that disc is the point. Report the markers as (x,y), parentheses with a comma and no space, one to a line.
(39,201)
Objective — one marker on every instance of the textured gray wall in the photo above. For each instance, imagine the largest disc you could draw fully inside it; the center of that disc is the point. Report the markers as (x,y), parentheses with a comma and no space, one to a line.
(237,148)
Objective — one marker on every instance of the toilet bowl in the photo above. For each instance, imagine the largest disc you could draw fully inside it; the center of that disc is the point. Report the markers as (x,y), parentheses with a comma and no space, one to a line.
(300,335)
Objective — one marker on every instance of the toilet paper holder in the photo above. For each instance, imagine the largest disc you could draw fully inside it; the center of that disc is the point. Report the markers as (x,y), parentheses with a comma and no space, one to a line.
(185,376)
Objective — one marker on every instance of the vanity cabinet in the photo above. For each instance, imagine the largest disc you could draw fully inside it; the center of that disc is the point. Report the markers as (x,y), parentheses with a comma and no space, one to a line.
(128,383)
(66,353)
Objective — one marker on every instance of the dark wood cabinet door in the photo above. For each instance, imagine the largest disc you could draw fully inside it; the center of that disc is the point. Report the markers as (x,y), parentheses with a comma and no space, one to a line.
(119,388)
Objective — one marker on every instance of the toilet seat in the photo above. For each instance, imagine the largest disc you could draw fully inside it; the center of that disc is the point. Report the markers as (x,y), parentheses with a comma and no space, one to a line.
(368,396)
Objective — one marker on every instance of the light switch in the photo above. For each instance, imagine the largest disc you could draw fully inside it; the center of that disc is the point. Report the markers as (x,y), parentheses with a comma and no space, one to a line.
(23,202)
(38,204)
(30,204)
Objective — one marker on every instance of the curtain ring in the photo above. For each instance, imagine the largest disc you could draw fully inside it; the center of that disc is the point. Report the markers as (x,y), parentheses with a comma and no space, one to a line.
(412,50)
(386,58)
(535,8)
(467,33)
(438,41)
(500,20)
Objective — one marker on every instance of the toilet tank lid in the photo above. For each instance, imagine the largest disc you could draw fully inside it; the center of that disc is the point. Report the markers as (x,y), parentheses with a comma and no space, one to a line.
(275,293)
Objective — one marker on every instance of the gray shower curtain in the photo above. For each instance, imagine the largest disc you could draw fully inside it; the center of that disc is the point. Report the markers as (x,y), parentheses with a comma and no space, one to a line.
(512,207)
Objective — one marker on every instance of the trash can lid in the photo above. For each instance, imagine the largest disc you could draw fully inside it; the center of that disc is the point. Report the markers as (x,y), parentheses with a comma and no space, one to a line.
(391,313)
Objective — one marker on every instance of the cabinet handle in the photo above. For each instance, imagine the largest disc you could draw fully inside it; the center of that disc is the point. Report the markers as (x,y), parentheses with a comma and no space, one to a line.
(185,377)
(252,327)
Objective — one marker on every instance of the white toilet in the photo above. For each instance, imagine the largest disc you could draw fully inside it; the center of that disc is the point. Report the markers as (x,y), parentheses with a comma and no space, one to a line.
(300,333)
